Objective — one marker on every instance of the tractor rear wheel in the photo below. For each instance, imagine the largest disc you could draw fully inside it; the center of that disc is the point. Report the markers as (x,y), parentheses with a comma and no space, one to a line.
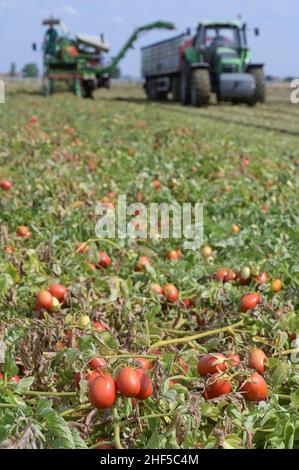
(201,87)
(260,90)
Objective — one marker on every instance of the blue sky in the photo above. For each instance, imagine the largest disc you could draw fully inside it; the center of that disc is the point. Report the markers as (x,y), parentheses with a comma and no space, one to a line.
(20,25)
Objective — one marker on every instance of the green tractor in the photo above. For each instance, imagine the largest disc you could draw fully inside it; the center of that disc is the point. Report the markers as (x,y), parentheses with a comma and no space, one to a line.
(216,60)
(81,61)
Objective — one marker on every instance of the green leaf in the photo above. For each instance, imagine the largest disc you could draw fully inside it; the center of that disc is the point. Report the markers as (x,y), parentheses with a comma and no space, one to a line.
(59,428)
(25,384)
(279,373)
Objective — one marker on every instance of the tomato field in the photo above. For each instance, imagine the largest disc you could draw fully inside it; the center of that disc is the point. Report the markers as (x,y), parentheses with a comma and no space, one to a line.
(139,343)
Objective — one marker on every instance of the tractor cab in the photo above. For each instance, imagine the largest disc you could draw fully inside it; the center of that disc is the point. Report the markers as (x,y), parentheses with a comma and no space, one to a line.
(223,46)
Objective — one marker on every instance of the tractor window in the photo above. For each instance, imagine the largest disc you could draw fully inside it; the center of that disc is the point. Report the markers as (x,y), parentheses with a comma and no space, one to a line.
(221,37)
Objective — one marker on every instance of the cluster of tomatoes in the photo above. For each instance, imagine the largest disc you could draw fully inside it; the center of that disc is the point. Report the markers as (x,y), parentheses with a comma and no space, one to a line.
(51,299)
(216,367)
(244,278)
(130,382)
(104,259)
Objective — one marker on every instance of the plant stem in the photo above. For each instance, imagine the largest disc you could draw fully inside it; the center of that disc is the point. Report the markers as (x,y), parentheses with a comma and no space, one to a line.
(187,339)
(9,405)
(70,411)
(116,428)
(183,377)
(32,393)
(286,352)
(145,417)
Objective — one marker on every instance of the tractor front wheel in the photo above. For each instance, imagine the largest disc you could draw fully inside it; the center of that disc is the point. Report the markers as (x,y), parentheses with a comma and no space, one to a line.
(200,87)
(260,89)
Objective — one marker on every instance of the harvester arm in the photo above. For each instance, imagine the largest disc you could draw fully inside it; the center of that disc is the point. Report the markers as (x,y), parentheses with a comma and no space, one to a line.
(129,44)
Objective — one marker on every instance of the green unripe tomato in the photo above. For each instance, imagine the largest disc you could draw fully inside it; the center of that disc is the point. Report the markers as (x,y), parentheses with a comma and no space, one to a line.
(246,272)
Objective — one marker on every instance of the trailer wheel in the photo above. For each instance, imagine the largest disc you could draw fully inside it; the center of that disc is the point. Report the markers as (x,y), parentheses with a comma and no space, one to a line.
(175,89)
(48,87)
(201,87)
(150,88)
(88,87)
(260,90)
(185,88)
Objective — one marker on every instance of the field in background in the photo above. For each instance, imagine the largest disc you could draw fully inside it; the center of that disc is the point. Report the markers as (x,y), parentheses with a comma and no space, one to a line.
(242,163)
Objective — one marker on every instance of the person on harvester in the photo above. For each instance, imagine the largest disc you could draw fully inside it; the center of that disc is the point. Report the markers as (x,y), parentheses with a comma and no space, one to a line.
(50,41)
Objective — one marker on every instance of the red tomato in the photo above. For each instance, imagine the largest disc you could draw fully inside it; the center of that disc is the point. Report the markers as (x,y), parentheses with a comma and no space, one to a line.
(97,363)
(128,382)
(156,184)
(157,289)
(45,299)
(221,274)
(1,376)
(142,262)
(276,285)
(104,446)
(262,278)
(249,301)
(255,388)
(15,379)
(183,364)
(23,232)
(33,120)
(234,360)
(102,392)
(230,277)
(9,249)
(172,255)
(6,185)
(99,326)
(256,359)
(211,364)
(59,346)
(217,387)
(58,291)
(146,386)
(144,363)
(171,292)
(104,260)
(187,303)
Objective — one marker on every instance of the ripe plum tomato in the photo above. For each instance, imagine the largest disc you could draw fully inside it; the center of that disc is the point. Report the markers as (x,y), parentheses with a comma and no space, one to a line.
(102,392)
(255,388)
(256,359)
(249,301)
(58,291)
(216,387)
(128,382)
(211,364)
(146,386)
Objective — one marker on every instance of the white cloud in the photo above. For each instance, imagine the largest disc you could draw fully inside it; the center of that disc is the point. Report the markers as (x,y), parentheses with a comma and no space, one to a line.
(69,10)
